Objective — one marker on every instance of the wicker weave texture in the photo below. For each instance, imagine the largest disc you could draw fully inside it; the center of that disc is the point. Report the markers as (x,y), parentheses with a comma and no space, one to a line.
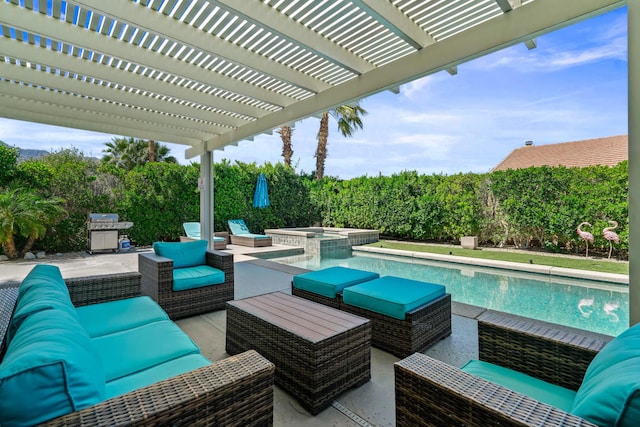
(250,241)
(432,393)
(553,353)
(8,298)
(237,391)
(314,372)
(102,288)
(157,282)
(421,328)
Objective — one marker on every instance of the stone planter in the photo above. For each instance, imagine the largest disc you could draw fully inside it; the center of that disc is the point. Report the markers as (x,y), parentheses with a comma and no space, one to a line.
(469,242)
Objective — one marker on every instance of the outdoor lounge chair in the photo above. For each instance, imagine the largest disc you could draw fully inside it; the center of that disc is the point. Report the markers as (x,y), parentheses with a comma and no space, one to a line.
(240,235)
(530,373)
(192,231)
(186,279)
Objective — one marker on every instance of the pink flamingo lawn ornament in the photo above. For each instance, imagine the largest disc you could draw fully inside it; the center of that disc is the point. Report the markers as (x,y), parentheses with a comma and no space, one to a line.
(611,235)
(588,237)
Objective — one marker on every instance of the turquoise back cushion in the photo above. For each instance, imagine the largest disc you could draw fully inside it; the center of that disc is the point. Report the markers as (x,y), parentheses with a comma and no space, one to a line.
(610,391)
(192,229)
(183,254)
(238,227)
(42,289)
(51,368)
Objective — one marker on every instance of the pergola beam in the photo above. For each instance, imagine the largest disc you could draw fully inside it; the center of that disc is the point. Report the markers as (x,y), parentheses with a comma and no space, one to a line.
(173,29)
(515,27)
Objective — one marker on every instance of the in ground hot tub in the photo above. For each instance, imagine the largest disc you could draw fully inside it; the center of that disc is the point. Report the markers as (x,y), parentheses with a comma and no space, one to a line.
(322,240)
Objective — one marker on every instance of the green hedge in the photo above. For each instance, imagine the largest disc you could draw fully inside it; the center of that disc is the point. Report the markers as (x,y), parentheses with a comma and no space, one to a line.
(527,207)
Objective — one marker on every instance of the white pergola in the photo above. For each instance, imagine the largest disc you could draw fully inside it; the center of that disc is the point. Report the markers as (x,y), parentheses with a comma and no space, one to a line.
(210,73)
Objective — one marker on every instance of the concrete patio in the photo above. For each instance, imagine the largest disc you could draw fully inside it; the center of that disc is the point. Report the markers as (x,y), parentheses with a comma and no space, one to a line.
(370,404)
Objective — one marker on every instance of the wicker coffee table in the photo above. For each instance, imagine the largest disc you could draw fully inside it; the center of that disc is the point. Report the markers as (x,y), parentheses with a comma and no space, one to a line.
(319,352)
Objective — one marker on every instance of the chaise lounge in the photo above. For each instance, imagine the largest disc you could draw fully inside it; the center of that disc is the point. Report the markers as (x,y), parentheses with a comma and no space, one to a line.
(91,351)
(529,373)
(192,231)
(406,315)
(187,279)
(240,235)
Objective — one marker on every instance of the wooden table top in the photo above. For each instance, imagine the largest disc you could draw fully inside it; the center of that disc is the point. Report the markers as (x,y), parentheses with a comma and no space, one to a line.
(312,321)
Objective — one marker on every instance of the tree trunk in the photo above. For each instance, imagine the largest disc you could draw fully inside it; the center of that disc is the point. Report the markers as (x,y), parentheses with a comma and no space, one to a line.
(9,248)
(152,151)
(30,241)
(287,149)
(321,150)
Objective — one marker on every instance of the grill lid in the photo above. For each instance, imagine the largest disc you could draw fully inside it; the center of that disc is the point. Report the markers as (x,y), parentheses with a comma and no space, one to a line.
(103,217)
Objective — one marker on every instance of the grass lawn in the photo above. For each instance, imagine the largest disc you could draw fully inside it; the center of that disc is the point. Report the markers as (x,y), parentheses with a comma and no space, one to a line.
(601,265)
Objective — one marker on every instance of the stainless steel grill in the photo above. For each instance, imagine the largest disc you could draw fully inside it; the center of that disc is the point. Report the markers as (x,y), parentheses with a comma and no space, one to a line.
(102,232)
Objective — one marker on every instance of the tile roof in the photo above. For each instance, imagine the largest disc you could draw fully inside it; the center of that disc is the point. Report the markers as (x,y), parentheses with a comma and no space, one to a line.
(608,151)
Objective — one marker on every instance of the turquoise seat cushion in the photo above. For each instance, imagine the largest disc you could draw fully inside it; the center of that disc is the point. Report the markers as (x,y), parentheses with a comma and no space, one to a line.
(610,390)
(542,391)
(392,296)
(42,289)
(238,227)
(331,281)
(51,368)
(127,352)
(196,277)
(155,374)
(183,254)
(255,236)
(219,239)
(114,316)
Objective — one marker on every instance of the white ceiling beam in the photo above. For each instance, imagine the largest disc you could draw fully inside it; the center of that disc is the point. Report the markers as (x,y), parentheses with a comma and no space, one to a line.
(57,81)
(63,102)
(158,23)
(508,29)
(38,23)
(31,111)
(267,17)
(58,61)
(397,22)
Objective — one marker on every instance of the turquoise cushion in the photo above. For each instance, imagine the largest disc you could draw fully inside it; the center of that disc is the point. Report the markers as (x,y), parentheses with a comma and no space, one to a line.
(392,296)
(255,236)
(183,254)
(192,229)
(331,281)
(51,368)
(42,289)
(155,374)
(196,277)
(610,390)
(126,352)
(113,316)
(238,227)
(542,391)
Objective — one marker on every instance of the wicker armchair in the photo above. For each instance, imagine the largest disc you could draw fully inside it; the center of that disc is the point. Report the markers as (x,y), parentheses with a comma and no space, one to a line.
(432,393)
(237,390)
(157,282)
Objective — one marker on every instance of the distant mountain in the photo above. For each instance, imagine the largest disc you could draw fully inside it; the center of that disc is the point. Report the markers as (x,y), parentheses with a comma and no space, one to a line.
(27,153)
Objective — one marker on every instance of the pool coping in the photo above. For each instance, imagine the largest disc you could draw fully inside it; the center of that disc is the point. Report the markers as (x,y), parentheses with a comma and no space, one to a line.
(621,279)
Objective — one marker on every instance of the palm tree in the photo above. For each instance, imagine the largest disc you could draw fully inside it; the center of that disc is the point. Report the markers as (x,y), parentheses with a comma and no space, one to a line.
(287,149)
(25,213)
(128,153)
(348,117)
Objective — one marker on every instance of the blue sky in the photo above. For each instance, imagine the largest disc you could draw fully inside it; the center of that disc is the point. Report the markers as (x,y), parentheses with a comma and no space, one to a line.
(573,86)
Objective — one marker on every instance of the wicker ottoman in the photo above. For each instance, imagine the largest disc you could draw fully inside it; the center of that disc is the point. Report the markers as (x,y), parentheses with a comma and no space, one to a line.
(319,352)
(325,286)
(407,316)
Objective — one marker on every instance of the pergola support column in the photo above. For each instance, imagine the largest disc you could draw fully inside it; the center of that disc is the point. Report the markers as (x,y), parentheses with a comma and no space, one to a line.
(633,14)
(205,184)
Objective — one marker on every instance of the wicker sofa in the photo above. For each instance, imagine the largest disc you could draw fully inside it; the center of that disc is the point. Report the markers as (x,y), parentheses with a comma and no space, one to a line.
(77,352)
(159,274)
(431,393)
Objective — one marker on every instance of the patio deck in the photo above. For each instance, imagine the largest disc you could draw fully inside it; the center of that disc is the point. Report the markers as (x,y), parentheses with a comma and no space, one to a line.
(370,404)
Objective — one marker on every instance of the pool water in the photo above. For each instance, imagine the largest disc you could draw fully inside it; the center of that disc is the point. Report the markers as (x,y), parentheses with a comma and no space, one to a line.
(595,306)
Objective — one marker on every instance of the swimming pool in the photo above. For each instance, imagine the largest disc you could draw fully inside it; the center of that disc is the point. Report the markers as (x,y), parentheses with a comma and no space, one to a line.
(596,306)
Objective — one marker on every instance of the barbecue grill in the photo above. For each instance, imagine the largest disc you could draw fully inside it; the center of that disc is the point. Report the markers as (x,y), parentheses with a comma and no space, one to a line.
(102,232)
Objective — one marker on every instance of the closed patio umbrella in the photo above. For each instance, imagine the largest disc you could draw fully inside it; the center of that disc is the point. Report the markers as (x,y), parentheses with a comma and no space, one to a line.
(261,195)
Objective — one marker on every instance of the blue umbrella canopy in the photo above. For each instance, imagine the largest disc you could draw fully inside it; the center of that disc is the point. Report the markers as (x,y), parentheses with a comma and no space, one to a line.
(261,195)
